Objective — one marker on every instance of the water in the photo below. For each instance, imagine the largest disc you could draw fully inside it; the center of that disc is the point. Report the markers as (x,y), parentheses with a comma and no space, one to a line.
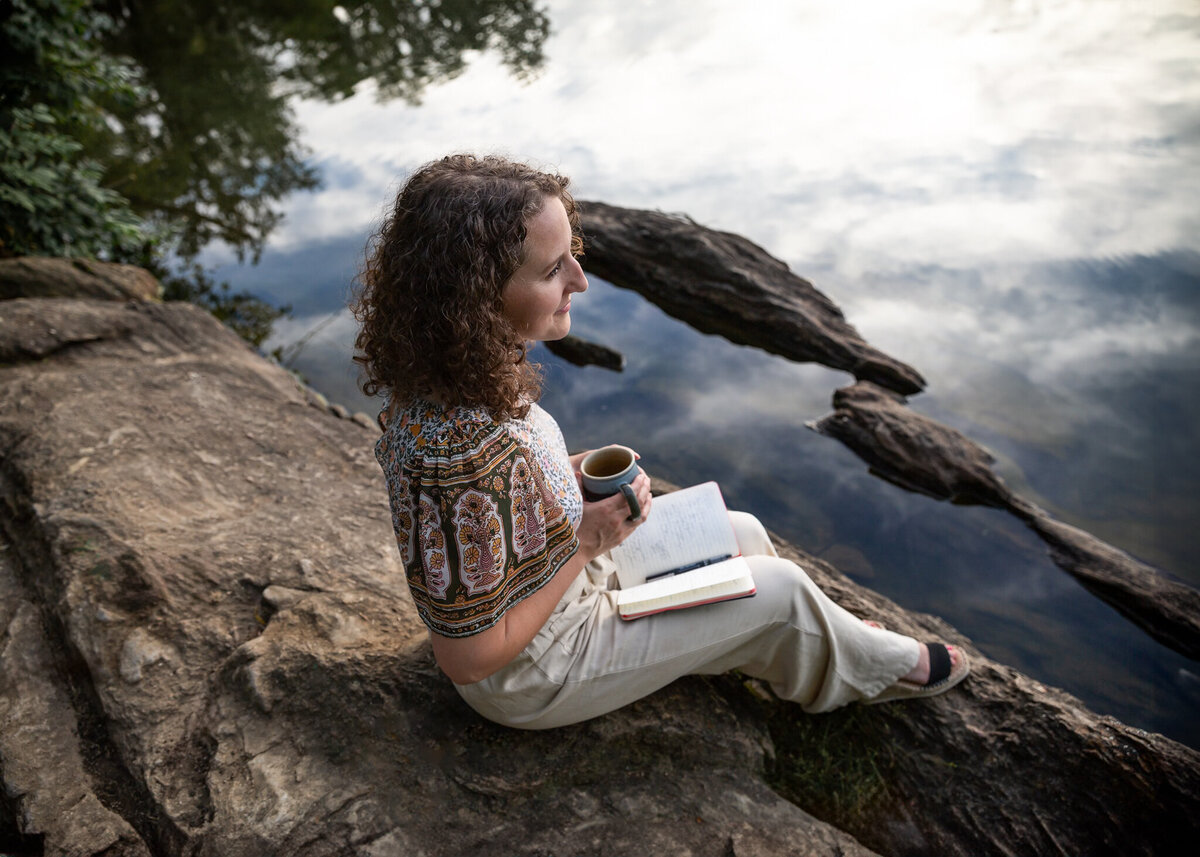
(1001,194)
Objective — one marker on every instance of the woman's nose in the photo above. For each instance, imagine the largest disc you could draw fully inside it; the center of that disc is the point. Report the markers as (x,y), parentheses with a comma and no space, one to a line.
(580,283)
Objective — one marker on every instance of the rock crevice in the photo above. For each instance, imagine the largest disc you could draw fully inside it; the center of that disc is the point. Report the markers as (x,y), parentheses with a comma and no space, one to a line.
(55,733)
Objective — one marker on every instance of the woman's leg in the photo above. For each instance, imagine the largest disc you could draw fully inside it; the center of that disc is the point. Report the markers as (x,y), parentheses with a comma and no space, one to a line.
(790,634)
(751,536)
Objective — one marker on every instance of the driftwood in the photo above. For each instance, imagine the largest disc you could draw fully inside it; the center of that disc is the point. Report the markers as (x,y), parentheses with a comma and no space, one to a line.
(207,648)
(925,456)
(722,283)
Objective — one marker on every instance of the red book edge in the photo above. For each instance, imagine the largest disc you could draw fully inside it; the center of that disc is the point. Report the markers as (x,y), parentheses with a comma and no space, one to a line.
(716,600)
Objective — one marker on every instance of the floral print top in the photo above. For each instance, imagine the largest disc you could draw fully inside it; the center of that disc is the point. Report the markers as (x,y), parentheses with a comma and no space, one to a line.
(539,433)
(480,522)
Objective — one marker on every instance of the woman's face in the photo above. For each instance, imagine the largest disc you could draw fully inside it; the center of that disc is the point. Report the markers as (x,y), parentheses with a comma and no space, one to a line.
(537,298)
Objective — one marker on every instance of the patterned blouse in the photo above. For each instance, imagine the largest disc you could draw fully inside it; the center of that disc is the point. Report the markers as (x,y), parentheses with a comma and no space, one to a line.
(484,512)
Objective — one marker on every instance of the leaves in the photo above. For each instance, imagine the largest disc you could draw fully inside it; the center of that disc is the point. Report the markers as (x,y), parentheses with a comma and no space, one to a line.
(214,147)
(51,202)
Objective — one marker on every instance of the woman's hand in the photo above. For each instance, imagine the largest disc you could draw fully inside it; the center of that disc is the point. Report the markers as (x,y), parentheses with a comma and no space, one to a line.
(606,522)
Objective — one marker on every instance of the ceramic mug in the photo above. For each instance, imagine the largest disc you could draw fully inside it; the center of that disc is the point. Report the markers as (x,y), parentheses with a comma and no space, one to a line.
(610,470)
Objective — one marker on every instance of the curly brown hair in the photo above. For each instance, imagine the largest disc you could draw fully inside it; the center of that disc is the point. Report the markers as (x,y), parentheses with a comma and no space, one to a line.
(429,297)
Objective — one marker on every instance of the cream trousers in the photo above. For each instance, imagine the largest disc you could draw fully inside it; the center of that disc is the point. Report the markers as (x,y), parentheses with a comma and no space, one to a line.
(587,661)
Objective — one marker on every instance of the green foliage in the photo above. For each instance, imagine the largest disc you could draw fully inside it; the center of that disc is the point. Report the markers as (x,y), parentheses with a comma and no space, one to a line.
(248,316)
(401,46)
(840,766)
(211,151)
(51,57)
(824,765)
(52,201)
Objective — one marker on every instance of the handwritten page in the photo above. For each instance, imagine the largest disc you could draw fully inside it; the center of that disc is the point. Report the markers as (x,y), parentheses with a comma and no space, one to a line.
(684,527)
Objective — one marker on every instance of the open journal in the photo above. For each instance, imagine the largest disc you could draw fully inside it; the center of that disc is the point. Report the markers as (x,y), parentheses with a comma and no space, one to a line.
(686,554)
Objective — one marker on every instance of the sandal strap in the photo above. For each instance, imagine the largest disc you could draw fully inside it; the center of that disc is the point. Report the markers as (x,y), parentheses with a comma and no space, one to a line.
(939,663)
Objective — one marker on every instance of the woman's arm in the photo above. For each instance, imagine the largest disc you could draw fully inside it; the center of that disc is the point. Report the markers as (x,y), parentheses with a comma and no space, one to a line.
(604,526)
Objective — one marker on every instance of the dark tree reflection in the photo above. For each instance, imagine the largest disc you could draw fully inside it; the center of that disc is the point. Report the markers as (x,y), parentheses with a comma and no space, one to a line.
(211,147)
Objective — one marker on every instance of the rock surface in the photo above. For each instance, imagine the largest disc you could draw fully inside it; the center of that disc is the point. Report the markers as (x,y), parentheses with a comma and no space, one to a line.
(722,283)
(210,563)
(925,456)
(42,277)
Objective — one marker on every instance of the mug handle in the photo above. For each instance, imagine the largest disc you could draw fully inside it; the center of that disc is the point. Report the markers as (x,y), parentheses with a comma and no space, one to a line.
(635,508)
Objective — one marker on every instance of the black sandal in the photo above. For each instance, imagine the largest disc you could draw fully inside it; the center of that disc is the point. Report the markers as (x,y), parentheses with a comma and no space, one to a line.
(943,675)
(940,663)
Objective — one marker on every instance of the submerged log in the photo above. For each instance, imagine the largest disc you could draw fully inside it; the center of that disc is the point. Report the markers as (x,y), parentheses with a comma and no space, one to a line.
(722,283)
(229,643)
(922,455)
(581,352)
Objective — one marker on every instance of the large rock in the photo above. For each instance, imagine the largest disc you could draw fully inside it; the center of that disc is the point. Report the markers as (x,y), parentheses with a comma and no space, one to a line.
(1001,765)
(722,283)
(216,559)
(212,560)
(44,277)
(925,456)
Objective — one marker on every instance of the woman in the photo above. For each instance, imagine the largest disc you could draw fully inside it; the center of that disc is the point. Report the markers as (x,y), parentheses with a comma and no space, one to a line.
(507,564)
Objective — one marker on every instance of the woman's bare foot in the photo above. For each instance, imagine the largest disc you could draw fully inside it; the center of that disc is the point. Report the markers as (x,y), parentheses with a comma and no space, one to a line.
(920,673)
(939,668)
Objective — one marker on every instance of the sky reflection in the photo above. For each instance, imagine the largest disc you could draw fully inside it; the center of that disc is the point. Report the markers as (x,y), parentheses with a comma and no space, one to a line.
(936,131)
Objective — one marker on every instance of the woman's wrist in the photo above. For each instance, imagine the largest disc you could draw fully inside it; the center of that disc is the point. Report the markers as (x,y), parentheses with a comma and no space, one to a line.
(589,548)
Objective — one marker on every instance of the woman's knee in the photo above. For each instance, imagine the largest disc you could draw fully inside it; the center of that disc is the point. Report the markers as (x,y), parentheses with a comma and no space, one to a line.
(782,582)
(778,573)
(751,536)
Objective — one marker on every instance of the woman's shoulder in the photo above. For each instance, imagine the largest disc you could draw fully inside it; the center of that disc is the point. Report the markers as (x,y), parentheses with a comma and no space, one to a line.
(424,434)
